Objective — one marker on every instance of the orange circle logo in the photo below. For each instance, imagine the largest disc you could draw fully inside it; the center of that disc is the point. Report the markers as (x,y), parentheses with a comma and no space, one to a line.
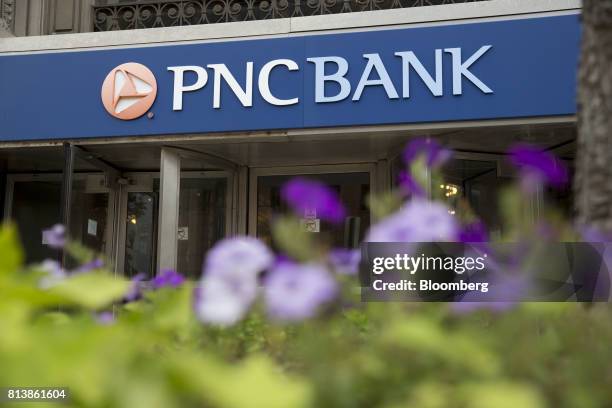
(129,90)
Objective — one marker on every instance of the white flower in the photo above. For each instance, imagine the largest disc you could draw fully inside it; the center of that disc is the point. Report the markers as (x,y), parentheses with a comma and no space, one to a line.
(220,302)
(55,274)
(238,257)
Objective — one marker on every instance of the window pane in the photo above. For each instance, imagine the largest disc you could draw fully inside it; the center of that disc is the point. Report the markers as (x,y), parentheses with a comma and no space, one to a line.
(353,189)
(88,217)
(202,220)
(474,185)
(141,234)
(35,207)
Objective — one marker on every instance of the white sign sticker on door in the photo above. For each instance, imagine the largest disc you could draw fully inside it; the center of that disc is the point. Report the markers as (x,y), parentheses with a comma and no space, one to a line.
(183,233)
(311,224)
(92,227)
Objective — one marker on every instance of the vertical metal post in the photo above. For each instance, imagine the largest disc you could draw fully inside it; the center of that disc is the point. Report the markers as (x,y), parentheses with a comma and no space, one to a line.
(66,197)
(170,179)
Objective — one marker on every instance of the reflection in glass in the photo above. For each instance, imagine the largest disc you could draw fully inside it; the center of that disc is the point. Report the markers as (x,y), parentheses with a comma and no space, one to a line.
(35,207)
(88,217)
(473,185)
(202,220)
(141,234)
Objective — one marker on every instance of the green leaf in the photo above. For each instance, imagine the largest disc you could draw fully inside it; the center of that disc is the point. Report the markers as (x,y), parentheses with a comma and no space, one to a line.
(501,394)
(291,238)
(383,205)
(11,254)
(91,290)
(255,383)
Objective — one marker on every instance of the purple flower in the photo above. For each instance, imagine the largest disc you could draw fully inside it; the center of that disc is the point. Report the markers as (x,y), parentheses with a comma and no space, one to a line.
(296,291)
(592,234)
(474,232)
(409,185)
(89,266)
(167,278)
(417,221)
(105,318)
(538,167)
(238,257)
(307,196)
(134,291)
(229,280)
(345,261)
(435,154)
(224,301)
(54,274)
(55,237)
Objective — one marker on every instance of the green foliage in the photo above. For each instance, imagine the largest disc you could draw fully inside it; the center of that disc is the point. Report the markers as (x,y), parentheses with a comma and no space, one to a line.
(293,240)
(90,290)
(390,355)
(383,205)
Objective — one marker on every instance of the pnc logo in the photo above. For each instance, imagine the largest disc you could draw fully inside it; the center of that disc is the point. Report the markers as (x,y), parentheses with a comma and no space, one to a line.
(128,91)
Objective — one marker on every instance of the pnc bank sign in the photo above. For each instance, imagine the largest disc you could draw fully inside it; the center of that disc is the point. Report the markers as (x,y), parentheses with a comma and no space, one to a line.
(130,89)
(397,76)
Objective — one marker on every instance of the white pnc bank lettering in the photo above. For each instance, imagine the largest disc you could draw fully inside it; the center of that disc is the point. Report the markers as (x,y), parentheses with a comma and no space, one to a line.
(333,70)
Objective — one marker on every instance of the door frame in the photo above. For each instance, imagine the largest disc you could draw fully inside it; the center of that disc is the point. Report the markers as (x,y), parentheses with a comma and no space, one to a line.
(257,172)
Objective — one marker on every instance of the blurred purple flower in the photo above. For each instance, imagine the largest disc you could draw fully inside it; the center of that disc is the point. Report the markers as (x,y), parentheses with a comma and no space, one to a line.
(89,266)
(238,257)
(409,185)
(592,234)
(417,221)
(224,301)
(305,195)
(134,291)
(296,291)
(55,237)
(474,232)
(538,167)
(229,280)
(435,154)
(602,241)
(105,318)
(345,261)
(54,273)
(167,278)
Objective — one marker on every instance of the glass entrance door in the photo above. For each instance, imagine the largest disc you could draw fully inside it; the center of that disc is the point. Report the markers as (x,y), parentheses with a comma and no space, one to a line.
(203,220)
(352,185)
(474,184)
(141,233)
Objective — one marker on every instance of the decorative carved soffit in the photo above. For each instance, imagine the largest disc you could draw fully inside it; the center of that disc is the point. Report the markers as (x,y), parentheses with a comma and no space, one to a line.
(4,29)
(112,15)
(7,13)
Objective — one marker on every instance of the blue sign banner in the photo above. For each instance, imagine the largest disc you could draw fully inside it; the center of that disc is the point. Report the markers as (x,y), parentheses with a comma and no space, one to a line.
(476,71)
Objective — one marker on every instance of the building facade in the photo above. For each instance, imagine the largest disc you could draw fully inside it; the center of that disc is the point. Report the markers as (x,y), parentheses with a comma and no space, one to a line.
(154,128)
